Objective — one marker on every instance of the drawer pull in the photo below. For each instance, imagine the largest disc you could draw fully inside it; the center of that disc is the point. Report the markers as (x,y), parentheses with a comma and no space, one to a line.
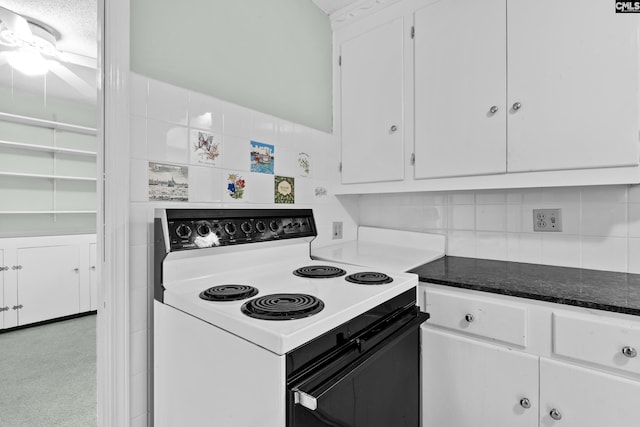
(525,403)
(555,414)
(468,317)
(629,352)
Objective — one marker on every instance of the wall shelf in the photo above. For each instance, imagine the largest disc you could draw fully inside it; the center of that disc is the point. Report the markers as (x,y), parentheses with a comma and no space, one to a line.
(49,149)
(54,212)
(47,176)
(50,124)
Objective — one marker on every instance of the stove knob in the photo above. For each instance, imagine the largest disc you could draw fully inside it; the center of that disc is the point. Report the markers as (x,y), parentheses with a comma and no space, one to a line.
(203,229)
(246,227)
(274,226)
(183,231)
(230,228)
(261,227)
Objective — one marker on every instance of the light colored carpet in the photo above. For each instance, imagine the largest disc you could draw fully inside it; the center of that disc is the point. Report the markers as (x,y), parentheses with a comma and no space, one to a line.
(48,375)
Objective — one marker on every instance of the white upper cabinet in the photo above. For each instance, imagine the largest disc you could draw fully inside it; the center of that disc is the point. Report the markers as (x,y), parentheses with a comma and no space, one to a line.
(573,67)
(372,87)
(460,88)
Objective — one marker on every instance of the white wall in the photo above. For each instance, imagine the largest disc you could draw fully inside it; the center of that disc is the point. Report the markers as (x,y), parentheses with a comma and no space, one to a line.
(162,117)
(272,56)
(601,225)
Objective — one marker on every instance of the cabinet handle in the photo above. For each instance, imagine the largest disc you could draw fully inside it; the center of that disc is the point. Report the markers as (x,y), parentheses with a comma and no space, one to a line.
(4,268)
(525,403)
(4,308)
(555,414)
(93,267)
(77,270)
(468,317)
(16,267)
(516,106)
(493,109)
(393,128)
(629,352)
(17,307)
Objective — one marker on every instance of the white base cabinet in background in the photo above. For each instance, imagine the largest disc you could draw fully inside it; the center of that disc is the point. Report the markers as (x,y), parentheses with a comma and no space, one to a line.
(572,367)
(45,278)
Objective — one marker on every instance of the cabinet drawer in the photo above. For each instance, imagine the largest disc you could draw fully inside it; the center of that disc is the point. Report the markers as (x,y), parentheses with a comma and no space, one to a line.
(494,320)
(608,343)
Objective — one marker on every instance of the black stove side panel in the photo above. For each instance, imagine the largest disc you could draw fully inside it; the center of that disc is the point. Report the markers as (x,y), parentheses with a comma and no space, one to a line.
(159,254)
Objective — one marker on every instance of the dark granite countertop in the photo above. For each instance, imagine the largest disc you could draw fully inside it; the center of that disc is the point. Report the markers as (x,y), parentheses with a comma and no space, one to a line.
(602,290)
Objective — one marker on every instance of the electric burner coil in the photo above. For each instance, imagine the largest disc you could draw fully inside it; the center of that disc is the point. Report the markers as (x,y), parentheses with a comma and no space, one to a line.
(230,292)
(282,306)
(369,278)
(319,272)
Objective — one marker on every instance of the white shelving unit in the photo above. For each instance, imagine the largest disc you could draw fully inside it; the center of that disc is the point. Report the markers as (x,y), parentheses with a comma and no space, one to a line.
(45,150)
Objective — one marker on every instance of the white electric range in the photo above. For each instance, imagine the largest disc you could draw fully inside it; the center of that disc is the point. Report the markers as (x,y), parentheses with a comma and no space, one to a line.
(249,330)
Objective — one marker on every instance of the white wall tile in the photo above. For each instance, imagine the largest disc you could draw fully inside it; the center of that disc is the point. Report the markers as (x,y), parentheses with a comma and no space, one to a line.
(634,256)
(515,219)
(138,92)
(462,198)
(433,218)
(167,103)
(236,153)
(138,394)
(493,197)
(167,142)
(263,128)
(236,120)
(138,309)
(205,184)
(461,243)
(604,253)
(524,247)
(138,224)
(633,219)
(462,217)
(138,180)
(491,245)
(491,217)
(205,112)
(261,189)
(138,267)
(138,351)
(605,194)
(604,219)
(138,137)
(226,195)
(561,250)
(205,148)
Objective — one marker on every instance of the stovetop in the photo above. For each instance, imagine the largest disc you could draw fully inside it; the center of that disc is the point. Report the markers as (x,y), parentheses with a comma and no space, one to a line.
(266,261)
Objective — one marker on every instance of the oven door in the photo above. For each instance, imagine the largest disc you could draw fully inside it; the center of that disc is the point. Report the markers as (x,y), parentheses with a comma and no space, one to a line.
(374,381)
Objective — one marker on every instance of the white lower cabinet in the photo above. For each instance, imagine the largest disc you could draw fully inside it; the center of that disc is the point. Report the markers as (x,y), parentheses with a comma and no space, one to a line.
(573,396)
(93,276)
(574,368)
(470,383)
(44,278)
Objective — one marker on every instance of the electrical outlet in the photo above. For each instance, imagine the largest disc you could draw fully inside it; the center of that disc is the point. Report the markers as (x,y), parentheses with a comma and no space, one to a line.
(547,220)
(337,230)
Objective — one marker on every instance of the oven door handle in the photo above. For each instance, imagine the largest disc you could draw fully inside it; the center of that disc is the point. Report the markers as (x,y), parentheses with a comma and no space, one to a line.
(309,399)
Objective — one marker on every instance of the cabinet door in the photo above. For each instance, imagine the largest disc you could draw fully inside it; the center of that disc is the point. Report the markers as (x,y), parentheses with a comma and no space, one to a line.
(460,78)
(372,101)
(573,66)
(586,398)
(93,276)
(48,283)
(3,308)
(467,383)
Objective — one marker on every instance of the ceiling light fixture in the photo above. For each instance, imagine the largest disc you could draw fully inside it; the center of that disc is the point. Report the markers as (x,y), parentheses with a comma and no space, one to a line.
(28,62)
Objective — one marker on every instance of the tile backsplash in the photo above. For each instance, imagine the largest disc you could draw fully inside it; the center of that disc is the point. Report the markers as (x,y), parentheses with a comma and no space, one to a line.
(600,225)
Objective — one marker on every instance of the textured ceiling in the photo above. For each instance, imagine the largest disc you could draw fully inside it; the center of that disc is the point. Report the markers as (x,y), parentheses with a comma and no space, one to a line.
(75,20)
(330,6)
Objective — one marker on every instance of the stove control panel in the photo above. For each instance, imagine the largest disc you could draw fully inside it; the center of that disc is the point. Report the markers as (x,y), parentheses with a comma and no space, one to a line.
(204,228)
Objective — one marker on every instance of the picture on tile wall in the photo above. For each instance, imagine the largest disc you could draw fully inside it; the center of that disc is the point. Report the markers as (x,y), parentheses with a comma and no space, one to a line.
(262,157)
(168,182)
(235,186)
(304,163)
(284,189)
(205,148)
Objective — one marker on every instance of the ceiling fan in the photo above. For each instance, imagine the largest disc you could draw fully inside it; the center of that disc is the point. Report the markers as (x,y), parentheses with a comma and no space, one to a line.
(30,48)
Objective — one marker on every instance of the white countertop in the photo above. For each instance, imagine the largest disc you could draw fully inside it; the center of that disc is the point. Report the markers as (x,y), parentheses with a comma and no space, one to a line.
(385,249)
